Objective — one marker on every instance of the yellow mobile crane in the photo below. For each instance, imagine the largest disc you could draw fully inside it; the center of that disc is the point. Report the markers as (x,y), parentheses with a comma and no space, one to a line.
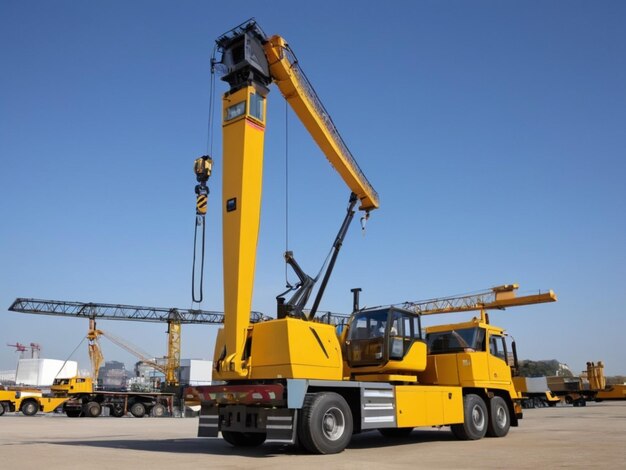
(293,378)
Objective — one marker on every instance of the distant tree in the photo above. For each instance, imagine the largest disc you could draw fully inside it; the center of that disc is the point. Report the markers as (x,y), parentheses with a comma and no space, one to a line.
(528,368)
(616,380)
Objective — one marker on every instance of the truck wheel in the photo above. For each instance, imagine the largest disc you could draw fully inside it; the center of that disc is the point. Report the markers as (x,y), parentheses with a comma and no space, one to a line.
(244,439)
(475,419)
(158,411)
(117,411)
(92,409)
(499,418)
(138,410)
(2,409)
(30,407)
(395,432)
(325,426)
(73,413)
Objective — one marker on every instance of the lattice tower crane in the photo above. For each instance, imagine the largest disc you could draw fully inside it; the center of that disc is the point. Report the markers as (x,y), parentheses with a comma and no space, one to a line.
(496,298)
(174,317)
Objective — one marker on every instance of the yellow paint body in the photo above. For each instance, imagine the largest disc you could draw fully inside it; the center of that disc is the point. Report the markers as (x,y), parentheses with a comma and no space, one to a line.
(414,361)
(243,137)
(290,348)
(17,396)
(295,349)
(421,405)
(294,90)
(469,369)
(612,392)
(173,352)
(73,385)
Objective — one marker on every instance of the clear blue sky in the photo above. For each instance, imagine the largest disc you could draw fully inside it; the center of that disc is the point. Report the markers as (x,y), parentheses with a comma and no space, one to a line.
(494,132)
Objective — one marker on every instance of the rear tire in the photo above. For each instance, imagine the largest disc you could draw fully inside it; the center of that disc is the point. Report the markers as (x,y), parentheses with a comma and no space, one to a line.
(326,425)
(158,411)
(92,409)
(475,419)
(499,418)
(244,439)
(138,410)
(30,407)
(395,432)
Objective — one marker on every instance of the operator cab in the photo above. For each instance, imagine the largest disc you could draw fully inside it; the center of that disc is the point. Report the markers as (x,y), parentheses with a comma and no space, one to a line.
(386,340)
(456,340)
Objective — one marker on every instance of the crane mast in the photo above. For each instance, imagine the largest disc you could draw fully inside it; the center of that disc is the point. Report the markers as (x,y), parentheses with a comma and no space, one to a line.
(252,63)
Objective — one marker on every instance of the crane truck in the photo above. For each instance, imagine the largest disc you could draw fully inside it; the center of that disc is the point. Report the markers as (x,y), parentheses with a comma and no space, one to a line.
(292,378)
(82,399)
(27,400)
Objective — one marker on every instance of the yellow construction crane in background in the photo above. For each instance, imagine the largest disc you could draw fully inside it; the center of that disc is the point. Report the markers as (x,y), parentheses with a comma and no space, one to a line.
(174,317)
(496,298)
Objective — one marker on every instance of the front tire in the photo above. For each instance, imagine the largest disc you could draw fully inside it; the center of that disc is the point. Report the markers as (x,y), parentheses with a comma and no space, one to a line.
(475,419)
(326,425)
(2,408)
(244,439)
(499,418)
(30,407)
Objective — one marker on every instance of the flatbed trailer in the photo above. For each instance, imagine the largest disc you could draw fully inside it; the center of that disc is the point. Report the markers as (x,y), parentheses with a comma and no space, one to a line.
(138,404)
(535,392)
(571,390)
(84,400)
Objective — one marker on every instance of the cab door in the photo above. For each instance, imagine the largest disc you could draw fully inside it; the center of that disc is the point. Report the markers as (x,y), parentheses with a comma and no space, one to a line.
(498,359)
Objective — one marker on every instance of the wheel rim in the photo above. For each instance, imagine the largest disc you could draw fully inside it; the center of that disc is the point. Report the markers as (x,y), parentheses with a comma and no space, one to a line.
(501,417)
(333,424)
(478,417)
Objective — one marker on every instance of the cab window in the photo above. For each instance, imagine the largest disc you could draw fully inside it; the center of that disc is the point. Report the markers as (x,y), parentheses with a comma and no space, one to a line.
(497,347)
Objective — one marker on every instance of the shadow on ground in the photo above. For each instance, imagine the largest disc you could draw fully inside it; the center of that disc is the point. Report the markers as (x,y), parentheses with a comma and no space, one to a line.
(367,440)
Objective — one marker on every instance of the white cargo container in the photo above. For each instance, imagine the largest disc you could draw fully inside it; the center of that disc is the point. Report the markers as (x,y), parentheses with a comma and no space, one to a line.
(196,372)
(42,372)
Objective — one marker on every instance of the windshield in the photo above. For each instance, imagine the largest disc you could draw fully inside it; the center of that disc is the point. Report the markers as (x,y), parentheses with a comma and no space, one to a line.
(456,340)
(368,325)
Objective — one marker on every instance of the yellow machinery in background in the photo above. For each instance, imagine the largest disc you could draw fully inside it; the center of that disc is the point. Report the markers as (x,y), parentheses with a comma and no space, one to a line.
(294,378)
(27,400)
(597,381)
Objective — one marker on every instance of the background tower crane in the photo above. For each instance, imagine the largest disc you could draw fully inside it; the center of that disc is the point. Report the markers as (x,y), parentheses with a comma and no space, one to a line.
(174,317)
(19,348)
(496,298)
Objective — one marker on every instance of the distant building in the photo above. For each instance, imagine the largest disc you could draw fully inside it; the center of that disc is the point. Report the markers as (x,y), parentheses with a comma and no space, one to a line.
(7,377)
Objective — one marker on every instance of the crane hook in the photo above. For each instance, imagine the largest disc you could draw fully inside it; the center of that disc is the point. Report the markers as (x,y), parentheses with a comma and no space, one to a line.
(364,220)
(202,167)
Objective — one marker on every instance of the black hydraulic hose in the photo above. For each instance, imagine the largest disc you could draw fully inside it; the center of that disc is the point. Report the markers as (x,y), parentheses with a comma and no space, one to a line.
(198,298)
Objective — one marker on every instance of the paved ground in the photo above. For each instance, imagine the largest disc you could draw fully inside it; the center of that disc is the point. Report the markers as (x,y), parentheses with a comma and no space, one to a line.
(589,437)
